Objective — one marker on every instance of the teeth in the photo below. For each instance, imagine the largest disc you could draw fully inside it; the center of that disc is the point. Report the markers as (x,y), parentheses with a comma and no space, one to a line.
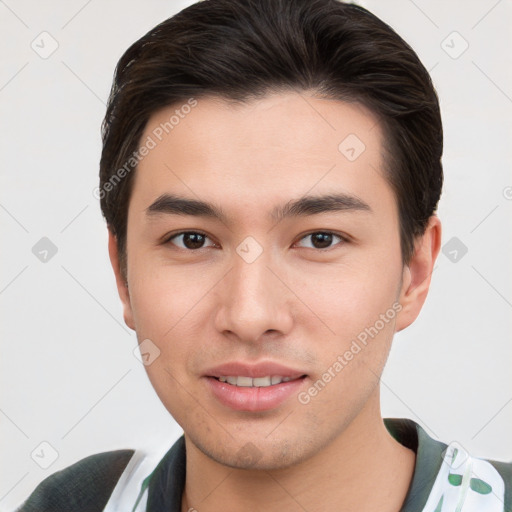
(249,382)
(263,381)
(244,381)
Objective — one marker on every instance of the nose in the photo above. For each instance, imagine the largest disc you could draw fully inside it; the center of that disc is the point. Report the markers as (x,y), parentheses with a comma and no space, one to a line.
(254,301)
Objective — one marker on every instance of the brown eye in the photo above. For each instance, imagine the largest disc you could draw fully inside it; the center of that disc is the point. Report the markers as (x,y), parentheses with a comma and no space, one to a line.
(322,239)
(189,240)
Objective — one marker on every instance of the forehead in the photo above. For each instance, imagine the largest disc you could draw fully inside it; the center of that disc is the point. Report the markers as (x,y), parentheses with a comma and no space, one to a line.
(263,152)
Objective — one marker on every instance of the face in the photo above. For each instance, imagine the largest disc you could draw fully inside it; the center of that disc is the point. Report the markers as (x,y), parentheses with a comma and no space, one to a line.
(245,287)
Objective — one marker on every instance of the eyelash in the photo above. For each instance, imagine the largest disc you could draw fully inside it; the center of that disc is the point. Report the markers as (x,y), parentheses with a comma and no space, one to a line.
(343,239)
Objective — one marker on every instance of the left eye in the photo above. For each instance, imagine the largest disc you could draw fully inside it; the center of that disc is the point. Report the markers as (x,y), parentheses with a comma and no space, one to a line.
(322,239)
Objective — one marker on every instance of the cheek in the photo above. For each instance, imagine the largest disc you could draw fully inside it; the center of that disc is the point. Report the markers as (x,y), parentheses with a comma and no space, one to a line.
(348,300)
(163,312)
(356,310)
(360,317)
(171,308)
(161,297)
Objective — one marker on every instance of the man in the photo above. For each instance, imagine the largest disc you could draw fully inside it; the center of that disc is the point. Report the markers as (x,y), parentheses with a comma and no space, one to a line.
(270,176)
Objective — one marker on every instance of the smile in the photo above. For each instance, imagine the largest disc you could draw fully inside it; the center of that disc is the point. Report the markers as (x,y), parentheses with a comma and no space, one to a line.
(256,382)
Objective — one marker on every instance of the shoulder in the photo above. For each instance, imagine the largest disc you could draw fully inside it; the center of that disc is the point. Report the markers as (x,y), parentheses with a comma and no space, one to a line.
(447,477)
(469,483)
(504,470)
(84,486)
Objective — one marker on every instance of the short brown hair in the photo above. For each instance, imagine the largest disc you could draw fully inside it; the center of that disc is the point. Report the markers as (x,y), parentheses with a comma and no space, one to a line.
(243,49)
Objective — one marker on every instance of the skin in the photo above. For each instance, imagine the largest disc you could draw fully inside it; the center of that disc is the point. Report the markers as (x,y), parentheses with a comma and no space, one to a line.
(298,303)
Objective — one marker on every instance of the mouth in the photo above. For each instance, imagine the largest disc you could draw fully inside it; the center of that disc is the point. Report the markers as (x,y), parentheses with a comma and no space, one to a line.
(255,382)
(253,386)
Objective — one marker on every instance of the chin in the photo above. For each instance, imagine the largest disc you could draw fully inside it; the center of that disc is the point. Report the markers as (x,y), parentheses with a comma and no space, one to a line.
(255,455)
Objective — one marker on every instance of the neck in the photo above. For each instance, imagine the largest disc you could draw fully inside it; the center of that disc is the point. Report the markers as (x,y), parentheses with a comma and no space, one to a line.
(363,469)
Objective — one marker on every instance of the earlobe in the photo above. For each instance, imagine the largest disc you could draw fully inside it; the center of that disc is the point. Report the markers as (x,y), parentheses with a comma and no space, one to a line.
(417,275)
(122,285)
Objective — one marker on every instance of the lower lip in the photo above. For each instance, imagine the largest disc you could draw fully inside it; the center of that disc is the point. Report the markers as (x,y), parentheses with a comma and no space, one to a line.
(252,399)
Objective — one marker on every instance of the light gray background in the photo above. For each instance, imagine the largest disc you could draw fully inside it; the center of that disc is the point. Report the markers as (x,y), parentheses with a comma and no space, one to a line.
(68,373)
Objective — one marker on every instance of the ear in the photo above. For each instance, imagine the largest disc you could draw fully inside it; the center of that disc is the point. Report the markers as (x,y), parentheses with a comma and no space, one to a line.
(417,275)
(122,285)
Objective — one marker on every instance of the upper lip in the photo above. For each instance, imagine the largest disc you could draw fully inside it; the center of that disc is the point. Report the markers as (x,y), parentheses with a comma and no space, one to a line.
(262,369)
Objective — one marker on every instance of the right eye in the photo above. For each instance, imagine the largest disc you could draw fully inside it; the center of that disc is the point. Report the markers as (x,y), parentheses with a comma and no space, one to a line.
(190,240)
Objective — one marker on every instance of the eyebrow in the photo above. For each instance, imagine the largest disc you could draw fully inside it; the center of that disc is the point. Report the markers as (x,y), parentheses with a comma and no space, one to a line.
(172,204)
